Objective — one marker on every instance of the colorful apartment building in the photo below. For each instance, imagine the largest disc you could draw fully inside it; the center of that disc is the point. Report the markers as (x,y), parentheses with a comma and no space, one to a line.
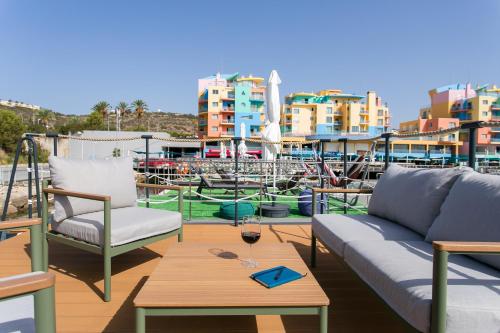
(225,101)
(462,102)
(332,112)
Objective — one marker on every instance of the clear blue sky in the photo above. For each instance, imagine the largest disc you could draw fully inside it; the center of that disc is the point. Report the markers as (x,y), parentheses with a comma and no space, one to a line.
(67,55)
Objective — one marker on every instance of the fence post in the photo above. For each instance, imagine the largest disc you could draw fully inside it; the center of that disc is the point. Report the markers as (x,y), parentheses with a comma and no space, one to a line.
(236,177)
(344,140)
(54,137)
(147,137)
(387,137)
(472,127)
(322,179)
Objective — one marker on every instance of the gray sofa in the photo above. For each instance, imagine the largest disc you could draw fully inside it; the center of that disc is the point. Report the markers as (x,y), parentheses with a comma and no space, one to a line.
(400,248)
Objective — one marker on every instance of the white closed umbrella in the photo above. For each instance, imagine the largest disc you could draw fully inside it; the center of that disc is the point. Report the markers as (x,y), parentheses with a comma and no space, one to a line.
(231,149)
(272,131)
(242,147)
(222,150)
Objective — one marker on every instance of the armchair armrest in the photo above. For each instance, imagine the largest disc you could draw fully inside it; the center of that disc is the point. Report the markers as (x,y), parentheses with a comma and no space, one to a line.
(343,190)
(90,196)
(467,247)
(160,187)
(24,223)
(26,283)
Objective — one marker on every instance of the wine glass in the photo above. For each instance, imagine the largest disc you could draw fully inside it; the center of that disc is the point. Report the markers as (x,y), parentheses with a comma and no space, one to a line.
(250,233)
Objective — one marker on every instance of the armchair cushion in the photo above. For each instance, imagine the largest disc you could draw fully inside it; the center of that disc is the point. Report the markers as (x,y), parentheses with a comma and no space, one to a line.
(18,315)
(401,274)
(412,197)
(337,230)
(471,213)
(128,224)
(113,177)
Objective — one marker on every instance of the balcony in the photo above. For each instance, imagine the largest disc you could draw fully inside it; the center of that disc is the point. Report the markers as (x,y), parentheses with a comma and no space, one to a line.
(227,110)
(337,113)
(202,123)
(227,133)
(227,122)
(364,112)
(259,98)
(229,97)
(495,129)
(495,139)
(364,122)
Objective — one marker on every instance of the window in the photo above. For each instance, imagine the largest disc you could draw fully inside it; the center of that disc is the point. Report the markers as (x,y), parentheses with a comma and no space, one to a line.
(329,129)
(380,122)
(485,102)
(430,125)
(484,136)
(485,113)
(296,111)
(451,125)
(329,110)
(215,92)
(329,119)
(215,116)
(215,104)
(380,113)
(451,137)
(355,128)
(215,129)
(306,100)
(311,118)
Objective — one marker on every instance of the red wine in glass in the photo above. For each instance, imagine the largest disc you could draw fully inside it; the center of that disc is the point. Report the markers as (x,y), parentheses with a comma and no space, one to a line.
(250,233)
(250,237)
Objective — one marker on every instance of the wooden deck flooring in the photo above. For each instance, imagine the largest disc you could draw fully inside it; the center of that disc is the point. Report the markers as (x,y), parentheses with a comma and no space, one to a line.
(79,282)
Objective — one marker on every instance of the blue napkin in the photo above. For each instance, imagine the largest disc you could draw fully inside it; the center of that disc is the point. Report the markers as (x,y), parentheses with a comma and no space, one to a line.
(276,276)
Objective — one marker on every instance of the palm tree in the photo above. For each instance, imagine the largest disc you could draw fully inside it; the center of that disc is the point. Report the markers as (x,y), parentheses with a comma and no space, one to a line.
(45,117)
(103,108)
(123,108)
(140,108)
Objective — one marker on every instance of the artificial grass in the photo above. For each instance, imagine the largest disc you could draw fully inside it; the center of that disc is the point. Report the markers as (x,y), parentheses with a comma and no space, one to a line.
(199,209)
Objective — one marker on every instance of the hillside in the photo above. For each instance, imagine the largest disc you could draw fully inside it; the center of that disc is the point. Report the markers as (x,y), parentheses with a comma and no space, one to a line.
(176,124)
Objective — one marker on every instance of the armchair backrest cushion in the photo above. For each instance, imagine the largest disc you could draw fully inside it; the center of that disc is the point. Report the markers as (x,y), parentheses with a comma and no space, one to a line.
(412,197)
(471,212)
(113,177)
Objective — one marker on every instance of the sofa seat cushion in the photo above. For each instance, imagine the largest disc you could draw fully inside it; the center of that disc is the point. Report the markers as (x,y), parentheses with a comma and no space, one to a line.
(412,197)
(337,230)
(114,177)
(401,273)
(127,225)
(471,213)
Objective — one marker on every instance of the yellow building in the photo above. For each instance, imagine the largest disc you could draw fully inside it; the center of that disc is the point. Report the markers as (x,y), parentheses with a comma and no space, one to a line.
(332,112)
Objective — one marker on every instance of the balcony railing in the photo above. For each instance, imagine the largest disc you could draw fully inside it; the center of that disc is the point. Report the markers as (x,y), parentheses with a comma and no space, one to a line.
(227,121)
(257,97)
(227,110)
(495,129)
(495,139)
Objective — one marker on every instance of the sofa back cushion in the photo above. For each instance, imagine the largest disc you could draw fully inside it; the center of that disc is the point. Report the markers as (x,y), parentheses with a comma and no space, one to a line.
(412,197)
(471,212)
(113,177)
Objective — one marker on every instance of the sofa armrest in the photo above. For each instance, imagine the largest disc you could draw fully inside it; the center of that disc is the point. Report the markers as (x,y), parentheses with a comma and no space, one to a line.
(343,190)
(26,284)
(81,195)
(442,249)
(467,247)
(15,224)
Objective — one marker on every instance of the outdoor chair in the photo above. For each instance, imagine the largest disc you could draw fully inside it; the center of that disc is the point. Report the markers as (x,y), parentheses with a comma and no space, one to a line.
(228,185)
(96,210)
(27,300)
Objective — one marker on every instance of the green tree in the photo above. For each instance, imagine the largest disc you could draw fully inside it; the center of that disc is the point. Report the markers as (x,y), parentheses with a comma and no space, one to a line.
(45,117)
(140,107)
(102,107)
(11,129)
(94,121)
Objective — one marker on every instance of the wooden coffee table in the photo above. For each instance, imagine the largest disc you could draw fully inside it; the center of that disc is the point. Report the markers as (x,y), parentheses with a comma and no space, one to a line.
(208,279)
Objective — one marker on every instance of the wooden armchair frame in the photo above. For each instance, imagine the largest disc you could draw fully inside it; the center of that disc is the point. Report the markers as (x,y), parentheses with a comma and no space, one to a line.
(106,249)
(40,284)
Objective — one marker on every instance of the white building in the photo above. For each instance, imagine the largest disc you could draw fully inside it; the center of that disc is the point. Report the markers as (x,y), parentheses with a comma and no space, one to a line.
(12,103)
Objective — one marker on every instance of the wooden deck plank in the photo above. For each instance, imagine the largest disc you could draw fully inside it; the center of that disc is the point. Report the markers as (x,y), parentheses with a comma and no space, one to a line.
(79,285)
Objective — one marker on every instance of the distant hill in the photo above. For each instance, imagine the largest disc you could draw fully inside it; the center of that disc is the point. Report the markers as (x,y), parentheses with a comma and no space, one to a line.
(177,124)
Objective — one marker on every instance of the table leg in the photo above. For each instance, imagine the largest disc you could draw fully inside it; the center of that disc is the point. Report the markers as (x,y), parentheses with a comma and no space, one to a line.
(323,319)
(140,320)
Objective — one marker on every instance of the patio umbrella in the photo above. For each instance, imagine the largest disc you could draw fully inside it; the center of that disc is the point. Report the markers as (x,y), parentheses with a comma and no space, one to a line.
(272,131)
(222,150)
(242,147)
